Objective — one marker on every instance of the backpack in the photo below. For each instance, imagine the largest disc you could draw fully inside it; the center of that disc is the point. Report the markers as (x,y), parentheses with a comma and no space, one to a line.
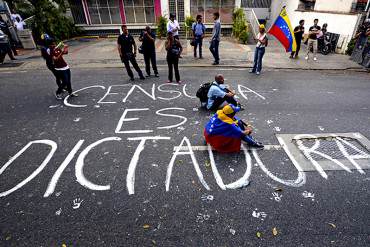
(203,92)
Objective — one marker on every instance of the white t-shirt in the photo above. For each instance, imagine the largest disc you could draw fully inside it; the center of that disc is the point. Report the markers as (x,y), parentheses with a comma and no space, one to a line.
(260,37)
(20,25)
(172,25)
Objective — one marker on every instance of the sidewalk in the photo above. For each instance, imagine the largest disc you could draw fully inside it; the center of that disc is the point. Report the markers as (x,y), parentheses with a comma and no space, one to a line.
(98,53)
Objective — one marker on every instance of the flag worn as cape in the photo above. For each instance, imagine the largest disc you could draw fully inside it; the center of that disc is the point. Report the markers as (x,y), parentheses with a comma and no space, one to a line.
(223,133)
(283,31)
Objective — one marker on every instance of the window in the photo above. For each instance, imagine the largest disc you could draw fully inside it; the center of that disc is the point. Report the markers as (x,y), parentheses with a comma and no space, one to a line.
(206,8)
(77,11)
(139,11)
(104,11)
(306,5)
(255,3)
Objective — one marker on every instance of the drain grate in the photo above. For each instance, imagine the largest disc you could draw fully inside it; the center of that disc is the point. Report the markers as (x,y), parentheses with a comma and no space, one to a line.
(328,145)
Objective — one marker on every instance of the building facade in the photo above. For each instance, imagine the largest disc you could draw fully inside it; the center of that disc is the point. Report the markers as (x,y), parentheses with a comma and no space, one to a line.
(342,16)
(105,15)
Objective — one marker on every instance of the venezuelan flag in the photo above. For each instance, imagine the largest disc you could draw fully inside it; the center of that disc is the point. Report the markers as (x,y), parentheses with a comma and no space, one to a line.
(223,133)
(283,31)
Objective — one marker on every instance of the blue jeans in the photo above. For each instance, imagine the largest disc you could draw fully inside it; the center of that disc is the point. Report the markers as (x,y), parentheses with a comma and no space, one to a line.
(214,49)
(198,41)
(258,55)
(247,138)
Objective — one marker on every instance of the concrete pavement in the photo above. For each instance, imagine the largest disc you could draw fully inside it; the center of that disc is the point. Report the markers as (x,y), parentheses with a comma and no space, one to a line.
(96,53)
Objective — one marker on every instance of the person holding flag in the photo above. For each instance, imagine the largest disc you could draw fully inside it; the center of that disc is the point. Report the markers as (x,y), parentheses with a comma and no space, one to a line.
(283,31)
(262,42)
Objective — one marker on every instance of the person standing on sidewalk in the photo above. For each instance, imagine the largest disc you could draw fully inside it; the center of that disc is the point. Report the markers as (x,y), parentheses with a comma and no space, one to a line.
(174,49)
(262,42)
(199,30)
(215,40)
(298,34)
(62,68)
(173,26)
(312,39)
(148,49)
(125,43)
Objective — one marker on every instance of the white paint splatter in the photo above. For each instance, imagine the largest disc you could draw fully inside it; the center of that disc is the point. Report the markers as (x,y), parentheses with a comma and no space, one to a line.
(259,215)
(77,119)
(232,169)
(155,165)
(276,128)
(207,198)
(202,217)
(195,109)
(232,231)
(53,106)
(77,203)
(58,193)
(276,196)
(321,128)
(58,212)
(97,106)
(307,194)
(269,121)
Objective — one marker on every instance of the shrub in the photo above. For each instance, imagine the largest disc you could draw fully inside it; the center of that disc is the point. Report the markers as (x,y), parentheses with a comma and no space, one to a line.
(189,20)
(351,47)
(243,37)
(240,26)
(48,17)
(162,27)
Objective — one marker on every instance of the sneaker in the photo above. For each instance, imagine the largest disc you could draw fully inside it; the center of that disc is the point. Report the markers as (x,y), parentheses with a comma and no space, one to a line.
(290,56)
(179,82)
(315,59)
(306,57)
(200,57)
(132,79)
(147,76)
(142,78)
(258,73)
(168,81)
(252,71)
(215,63)
(257,145)
(73,95)
(58,96)
(156,75)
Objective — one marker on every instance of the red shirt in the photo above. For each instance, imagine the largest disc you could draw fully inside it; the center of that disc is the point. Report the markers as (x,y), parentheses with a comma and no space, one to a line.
(58,63)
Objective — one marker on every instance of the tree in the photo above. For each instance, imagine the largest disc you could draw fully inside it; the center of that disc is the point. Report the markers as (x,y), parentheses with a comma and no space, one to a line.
(48,16)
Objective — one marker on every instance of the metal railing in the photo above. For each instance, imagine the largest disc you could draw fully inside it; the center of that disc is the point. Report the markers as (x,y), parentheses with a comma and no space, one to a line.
(253,21)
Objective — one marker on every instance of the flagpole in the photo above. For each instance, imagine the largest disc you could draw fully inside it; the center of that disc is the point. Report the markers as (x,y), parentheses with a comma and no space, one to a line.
(278,17)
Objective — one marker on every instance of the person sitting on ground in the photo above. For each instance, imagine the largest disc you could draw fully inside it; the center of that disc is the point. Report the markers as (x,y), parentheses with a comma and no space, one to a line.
(224,131)
(218,95)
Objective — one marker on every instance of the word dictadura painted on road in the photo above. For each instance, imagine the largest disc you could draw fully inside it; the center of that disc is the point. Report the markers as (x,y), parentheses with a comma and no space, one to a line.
(303,157)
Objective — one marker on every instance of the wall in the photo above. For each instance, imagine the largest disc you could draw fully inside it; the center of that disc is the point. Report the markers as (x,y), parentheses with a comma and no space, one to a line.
(343,24)
(340,5)
(164,8)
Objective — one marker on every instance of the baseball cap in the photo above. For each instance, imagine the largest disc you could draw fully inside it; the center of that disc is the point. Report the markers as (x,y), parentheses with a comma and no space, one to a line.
(230,108)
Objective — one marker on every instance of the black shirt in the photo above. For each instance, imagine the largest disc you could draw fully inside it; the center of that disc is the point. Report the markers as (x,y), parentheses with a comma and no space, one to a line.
(298,33)
(126,43)
(148,45)
(313,28)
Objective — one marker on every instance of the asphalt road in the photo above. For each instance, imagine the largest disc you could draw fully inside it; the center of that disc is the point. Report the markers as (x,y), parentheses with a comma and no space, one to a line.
(101,199)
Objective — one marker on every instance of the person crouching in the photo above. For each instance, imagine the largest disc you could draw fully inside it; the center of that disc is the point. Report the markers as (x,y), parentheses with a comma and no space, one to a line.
(224,131)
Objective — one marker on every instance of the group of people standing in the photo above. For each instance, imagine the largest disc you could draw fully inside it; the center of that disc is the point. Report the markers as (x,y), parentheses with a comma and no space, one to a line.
(127,47)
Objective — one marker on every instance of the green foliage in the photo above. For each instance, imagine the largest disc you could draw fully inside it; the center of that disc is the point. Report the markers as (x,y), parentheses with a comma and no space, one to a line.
(189,20)
(48,17)
(351,47)
(243,37)
(162,27)
(240,26)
